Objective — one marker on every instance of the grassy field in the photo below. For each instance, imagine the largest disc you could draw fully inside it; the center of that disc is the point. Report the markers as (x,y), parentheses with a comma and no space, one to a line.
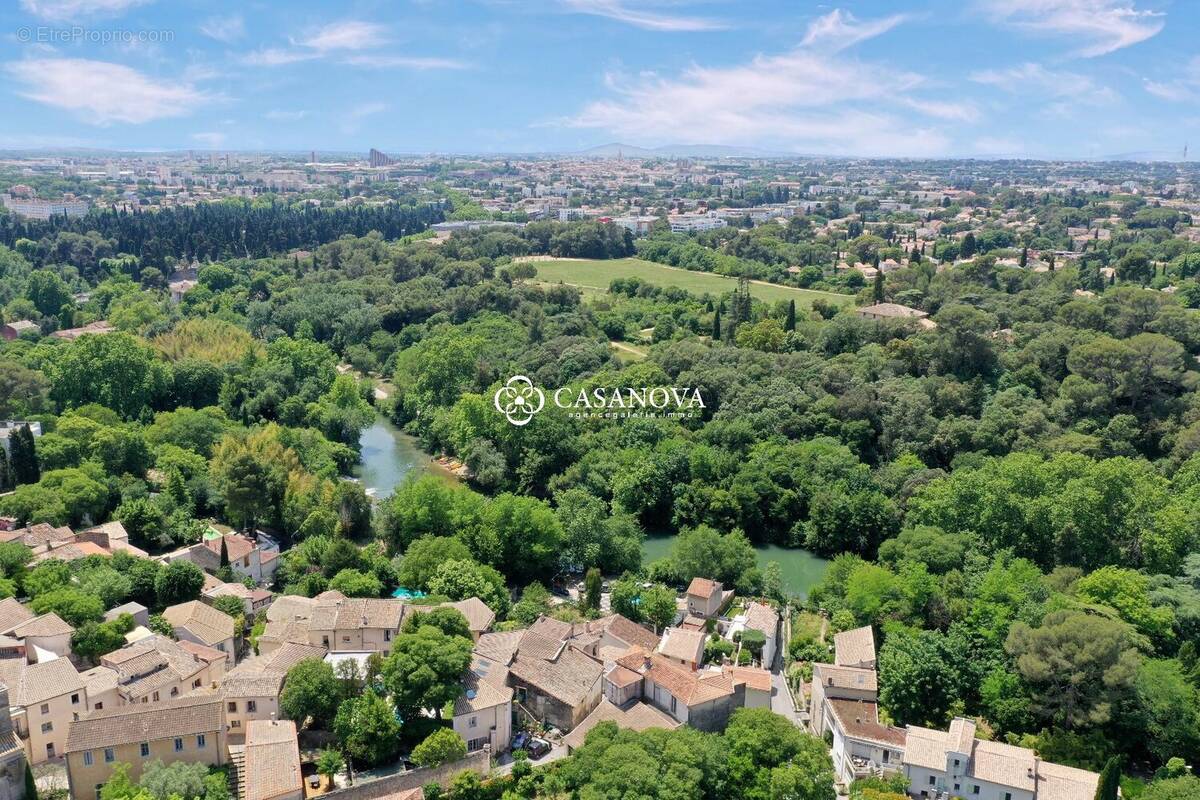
(593,276)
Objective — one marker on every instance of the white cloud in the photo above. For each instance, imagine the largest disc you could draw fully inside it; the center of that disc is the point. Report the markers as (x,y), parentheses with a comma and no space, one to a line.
(210,139)
(1185,88)
(800,101)
(352,120)
(1105,25)
(645,16)
(839,29)
(77,9)
(346,41)
(404,62)
(276,57)
(224,29)
(102,93)
(344,35)
(280,115)
(1031,79)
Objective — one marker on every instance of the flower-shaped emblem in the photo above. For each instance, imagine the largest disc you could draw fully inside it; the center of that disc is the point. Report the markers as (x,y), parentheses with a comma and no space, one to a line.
(519,400)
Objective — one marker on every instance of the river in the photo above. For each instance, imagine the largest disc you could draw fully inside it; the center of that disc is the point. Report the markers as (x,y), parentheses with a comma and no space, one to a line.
(389,456)
(801,569)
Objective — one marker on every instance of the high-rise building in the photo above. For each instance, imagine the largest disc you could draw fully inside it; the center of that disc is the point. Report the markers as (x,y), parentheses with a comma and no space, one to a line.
(379,159)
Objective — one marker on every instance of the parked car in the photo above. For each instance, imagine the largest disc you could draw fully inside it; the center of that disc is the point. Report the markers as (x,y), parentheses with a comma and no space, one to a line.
(520,740)
(537,747)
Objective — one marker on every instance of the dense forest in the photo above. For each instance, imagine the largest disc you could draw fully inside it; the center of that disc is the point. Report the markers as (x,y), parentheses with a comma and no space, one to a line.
(1010,496)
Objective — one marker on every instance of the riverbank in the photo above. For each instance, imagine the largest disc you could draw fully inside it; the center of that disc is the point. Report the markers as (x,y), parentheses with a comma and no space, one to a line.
(389,456)
(801,569)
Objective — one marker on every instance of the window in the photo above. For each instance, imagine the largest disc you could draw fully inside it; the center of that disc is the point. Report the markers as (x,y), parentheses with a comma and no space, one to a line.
(45,708)
(156,697)
(251,706)
(387,635)
(174,691)
(74,699)
(145,749)
(98,706)
(346,639)
(237,723)
(476,744)
(472,722)
(201,741)
(672,705)
(1008,796)
(232,707)
(221,647)
(87,758)
(975,789)
(196,683)
(47,727)
(179,746)
(932,780)
(109,755)
(325,641)
(956,762)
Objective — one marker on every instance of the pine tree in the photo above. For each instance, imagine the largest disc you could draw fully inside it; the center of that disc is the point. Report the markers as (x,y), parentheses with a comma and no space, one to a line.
(1050,262)
(790,323)
(878,293)
(23,457)
(1024,257)
(716,328)
(5,476)
(1110,780)
(31,792)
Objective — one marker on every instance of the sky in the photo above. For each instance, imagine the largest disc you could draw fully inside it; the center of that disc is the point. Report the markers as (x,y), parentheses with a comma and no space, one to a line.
(908,78)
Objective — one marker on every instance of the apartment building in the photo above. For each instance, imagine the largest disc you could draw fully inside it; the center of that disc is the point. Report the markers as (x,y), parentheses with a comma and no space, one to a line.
(44,699)
(12,754)
(152,670)
(188,729)
(843,707)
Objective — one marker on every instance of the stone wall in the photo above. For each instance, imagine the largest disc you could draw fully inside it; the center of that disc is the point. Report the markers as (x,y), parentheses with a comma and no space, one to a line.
(479,762)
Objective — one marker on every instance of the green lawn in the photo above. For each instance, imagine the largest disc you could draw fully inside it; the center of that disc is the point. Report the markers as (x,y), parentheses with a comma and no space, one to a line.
(595,275)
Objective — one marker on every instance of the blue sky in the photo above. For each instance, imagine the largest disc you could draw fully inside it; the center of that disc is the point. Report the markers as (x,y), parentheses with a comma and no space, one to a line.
(1040,78)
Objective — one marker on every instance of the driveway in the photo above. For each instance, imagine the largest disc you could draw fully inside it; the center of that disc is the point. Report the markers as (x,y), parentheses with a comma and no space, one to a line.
(781,701)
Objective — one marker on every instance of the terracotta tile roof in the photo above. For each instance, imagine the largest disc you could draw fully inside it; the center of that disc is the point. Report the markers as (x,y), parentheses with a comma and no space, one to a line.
(12,614)
(142,722)
(272,759)
(703,587)
(683,644)
(210,654)
(99,680)
(551,628)
(753,677)
(637,717)
(202,621)
(479,694)
(153,663)
(44,681)
(290,654)
(499,646)
(688,687)
(762,617)
(852,648)
(1000,763)
(50,624)
(924,747)
(361,612)
(534,645)
(828,675)
(236,545)
(568,678)
(626,630)
(1057,782)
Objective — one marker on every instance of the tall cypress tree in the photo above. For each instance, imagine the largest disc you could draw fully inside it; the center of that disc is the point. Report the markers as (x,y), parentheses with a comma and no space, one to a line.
(790,324)
(5,473)
(716,328)
(1110,780)
(23,457)
(1024,257)
(878,293)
